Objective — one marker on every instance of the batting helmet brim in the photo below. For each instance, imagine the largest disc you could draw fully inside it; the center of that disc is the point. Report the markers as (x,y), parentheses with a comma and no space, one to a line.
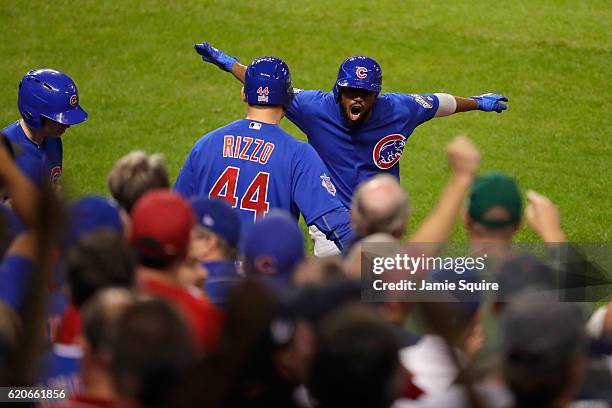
(347,83)
(70,117)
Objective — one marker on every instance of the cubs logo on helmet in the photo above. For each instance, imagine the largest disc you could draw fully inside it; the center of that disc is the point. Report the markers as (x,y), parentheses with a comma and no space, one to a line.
(388,151)
(361,72)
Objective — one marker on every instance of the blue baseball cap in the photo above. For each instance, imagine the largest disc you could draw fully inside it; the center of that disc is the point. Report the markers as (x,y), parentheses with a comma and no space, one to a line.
(89,214)
(219,217)
(273,247)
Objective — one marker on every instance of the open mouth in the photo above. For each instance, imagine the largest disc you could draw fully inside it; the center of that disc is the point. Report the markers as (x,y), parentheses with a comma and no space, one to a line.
(355,112)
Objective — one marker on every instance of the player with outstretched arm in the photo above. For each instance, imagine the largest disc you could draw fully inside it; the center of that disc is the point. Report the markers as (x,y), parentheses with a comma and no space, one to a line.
(256,166)
(356,130)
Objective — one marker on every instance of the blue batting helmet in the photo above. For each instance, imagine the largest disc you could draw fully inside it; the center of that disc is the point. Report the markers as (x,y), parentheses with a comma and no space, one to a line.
(51,94)
(359,72)
(268,82)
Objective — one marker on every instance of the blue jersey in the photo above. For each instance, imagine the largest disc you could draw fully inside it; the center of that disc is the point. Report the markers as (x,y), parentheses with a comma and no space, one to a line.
(256,167)
(15,274)
(354,154)
(41,163)
(61,367)
(222,277)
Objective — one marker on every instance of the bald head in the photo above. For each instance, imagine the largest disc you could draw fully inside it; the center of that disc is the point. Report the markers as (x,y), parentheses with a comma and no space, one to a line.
(101,313)
(380,205)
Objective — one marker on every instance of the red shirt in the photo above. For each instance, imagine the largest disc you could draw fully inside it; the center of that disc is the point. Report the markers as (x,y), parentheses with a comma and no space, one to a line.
(202,316)
(85,401)
(70,327)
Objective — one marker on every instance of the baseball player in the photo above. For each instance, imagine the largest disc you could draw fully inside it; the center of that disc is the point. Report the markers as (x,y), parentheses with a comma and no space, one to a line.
(48,102)
(356,130)
(256,166)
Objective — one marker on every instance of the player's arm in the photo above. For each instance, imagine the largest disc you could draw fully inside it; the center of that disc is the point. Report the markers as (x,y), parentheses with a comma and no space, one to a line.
(336,225)
(24,195)
(464,159)
(184,181)
(217,57)
(489,102)
(315,196)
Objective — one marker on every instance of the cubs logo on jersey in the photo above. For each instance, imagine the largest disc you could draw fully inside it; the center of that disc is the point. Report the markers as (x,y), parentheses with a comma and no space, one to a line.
(388,151)
(56,174)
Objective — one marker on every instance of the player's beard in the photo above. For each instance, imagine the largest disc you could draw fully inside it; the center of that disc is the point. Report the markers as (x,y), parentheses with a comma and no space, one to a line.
(353,116)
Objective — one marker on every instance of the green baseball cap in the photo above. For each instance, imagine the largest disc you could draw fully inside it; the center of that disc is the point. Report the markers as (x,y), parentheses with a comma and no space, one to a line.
(495,189)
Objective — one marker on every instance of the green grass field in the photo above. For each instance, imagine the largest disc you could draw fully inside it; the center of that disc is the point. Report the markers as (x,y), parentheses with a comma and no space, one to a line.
(145,88)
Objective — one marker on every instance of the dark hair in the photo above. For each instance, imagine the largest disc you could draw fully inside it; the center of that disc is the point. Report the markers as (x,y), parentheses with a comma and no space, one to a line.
(99,260)
(100,315)
(540,343)
(522,274)
(151,349)
(243,371)
(357,360)
(150,253)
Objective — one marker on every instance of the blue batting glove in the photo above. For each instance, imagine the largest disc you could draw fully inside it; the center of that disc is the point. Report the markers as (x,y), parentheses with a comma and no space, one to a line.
(214,56)
(490,102)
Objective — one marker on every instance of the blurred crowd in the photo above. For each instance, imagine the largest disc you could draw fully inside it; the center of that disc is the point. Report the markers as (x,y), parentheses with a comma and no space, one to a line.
(147,299)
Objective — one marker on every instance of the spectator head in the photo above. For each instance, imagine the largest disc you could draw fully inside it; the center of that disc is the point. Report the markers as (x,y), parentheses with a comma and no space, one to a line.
(380,205)
(151,348)
(161,227)
(135,174)
(544,349)
(457,316)
(495,207)
(100,316)
(356,364)
(217,231)
(97,261)
(352,263)
(521,274)
(88,215)
(258,362)
(319,271)
(272,249)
